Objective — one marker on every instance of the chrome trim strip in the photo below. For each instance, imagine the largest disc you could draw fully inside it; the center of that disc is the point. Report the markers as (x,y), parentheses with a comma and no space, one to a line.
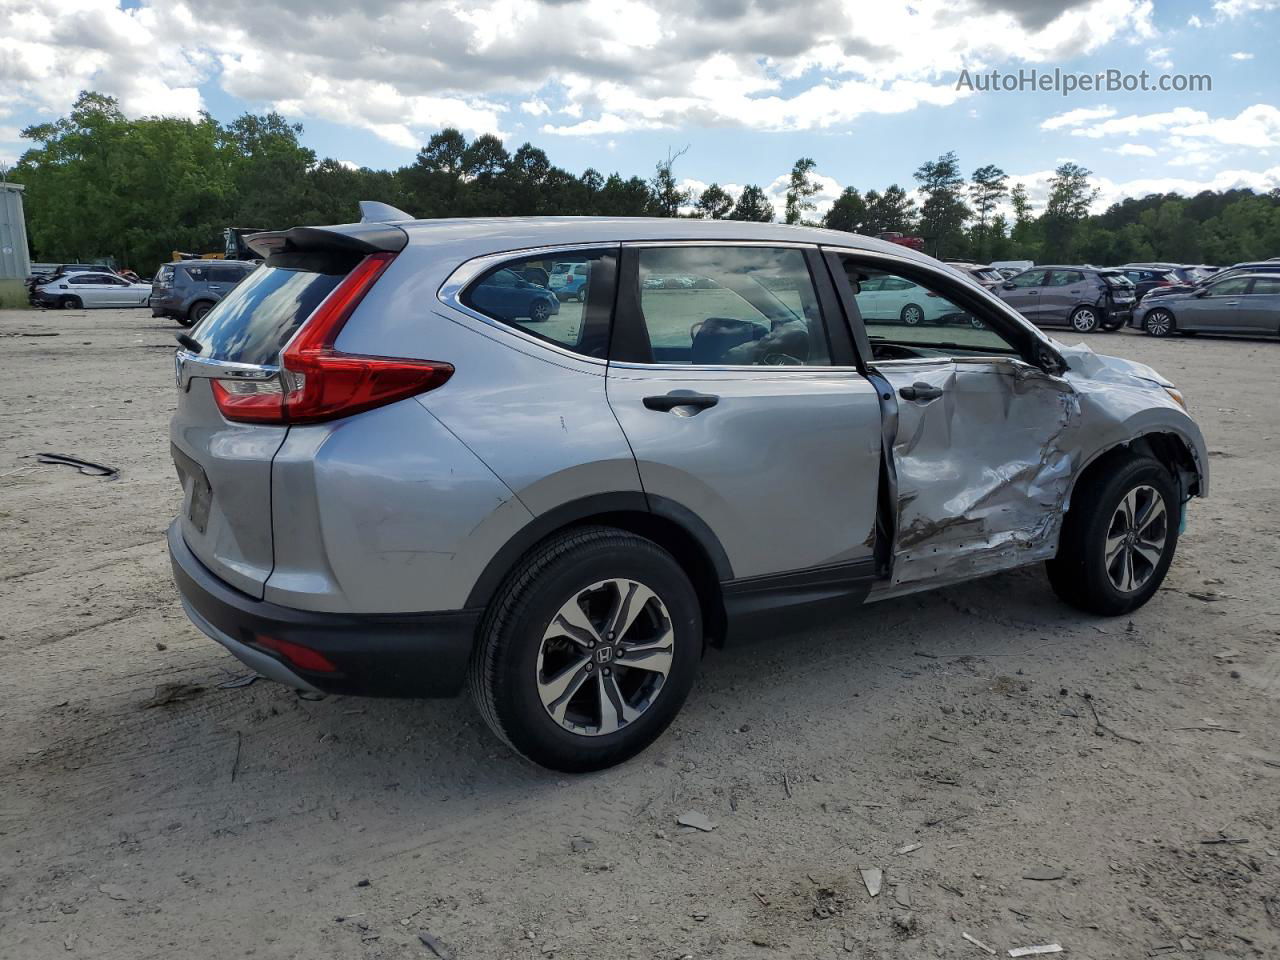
(188,366)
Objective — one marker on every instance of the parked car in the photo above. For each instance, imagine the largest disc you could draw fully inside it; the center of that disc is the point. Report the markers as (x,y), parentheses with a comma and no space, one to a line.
(886,296)
(394,484)
(1015,266)
(44,273)
(75,291)
(507,295)
(981,273)
(1244,303)
(1083,298)
(1257,266)
(187,290)
(1146,279)
(569,281)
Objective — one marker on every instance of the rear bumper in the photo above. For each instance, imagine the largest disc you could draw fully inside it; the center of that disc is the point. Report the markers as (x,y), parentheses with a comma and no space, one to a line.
(375,655)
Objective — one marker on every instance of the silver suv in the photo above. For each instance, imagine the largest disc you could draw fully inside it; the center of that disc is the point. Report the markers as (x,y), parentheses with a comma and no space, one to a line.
(402,473)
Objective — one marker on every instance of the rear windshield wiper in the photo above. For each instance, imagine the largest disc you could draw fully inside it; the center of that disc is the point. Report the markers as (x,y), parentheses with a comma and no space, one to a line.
(191,343)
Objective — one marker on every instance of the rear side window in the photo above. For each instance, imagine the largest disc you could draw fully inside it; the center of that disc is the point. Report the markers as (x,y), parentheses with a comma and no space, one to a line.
(254,321)
(1266,285)
(1064,278)
(198,274)
(224,273)
(532,295)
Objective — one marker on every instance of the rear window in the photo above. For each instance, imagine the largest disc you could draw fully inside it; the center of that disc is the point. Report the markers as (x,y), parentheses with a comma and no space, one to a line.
(1116,280)
(254,321)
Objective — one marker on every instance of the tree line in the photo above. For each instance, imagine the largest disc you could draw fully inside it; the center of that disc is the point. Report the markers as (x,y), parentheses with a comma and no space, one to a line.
(99,184)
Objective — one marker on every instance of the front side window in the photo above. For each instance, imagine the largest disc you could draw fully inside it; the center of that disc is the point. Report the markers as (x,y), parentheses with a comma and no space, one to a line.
(1031,278)
(907,319)
(730,306)
(567,300)
(1229,288)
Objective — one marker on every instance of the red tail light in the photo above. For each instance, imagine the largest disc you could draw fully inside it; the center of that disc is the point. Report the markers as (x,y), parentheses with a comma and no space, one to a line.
(304,658)
(319,383)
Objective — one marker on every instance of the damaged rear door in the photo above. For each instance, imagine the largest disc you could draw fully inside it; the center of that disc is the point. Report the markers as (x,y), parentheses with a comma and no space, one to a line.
(978,440)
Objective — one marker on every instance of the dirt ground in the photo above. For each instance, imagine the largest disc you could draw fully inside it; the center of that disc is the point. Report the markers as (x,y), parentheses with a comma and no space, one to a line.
(947,740)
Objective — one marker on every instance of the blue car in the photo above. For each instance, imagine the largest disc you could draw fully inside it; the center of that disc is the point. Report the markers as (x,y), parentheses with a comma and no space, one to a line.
(569,280)
(508,296)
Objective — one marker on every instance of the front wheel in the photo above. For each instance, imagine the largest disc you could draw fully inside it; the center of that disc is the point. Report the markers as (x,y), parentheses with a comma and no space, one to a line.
(912,315)
(1159,323)
(539,311)
(1084,320)
(1118,538)
(588,651)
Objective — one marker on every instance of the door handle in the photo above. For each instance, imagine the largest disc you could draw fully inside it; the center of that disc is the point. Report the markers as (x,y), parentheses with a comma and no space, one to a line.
(681,398)
(920,391)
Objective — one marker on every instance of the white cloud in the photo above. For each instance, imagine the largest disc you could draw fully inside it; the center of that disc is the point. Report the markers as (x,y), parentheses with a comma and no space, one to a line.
(1242,56)
(1076,118)
(1113,191)
(1134,150)
(1256,126)
(1159,58)
(402,68)
(1194,22)
(1230,9)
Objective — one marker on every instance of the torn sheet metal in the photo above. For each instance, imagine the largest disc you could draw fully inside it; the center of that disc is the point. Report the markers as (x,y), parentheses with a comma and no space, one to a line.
(981,476)
(982,472)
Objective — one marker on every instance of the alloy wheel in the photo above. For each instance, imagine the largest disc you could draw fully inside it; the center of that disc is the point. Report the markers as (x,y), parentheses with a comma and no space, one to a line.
(605,657)
(912,315)
(1136,538)
(1159,323)
(1084,320)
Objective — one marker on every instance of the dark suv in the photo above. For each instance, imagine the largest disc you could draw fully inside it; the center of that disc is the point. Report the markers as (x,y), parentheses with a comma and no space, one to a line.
(187,289)
(1083,298)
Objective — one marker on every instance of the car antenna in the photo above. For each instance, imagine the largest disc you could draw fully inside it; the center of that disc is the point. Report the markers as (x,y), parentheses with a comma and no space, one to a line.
(375,211)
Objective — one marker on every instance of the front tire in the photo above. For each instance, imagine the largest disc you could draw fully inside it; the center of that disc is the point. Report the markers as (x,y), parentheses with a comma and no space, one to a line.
(569,670)
(539,311)
(1118,538)
(1159,323)
(1084,320)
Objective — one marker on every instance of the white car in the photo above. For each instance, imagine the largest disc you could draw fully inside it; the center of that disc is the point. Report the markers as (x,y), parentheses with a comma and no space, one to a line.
(886,297)
(75,291)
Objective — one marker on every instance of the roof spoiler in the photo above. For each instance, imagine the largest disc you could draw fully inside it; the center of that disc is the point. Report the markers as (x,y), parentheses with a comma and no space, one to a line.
(358,238)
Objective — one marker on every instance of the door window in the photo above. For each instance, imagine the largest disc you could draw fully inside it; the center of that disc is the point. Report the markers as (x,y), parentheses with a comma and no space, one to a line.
(224,273)
(521,293)
(87,279)
(1266,285)
(1032,278)
(1229,288)
(198,274)
(729,306)
(905,319)
(1064,278)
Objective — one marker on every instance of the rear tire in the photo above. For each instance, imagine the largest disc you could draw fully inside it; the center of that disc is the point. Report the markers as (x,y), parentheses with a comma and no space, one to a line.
(912,315)
(197,313)
(1100,567)
(1159,323)
(550,621)
(539,311)
(1084,320)
(70,303)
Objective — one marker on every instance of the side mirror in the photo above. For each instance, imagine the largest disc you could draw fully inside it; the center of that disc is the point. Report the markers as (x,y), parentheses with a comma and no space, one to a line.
(1008,284)
(1202,292)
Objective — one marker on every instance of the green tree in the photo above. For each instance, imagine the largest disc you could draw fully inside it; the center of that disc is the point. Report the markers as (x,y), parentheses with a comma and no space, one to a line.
(848,213)
(714,203)
(943,212)
(753,204)
(1070,195)
(668,195)
(892,211)
(800,190)
(989,186)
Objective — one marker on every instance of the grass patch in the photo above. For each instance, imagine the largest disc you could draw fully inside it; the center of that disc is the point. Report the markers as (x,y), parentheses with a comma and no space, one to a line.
(13,295)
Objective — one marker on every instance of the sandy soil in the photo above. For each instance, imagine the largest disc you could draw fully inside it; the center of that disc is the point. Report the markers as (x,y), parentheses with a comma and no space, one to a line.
(945,740)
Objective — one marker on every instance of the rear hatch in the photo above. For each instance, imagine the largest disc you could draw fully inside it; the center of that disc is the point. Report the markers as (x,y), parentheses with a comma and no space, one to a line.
(232,412)
(1119,287)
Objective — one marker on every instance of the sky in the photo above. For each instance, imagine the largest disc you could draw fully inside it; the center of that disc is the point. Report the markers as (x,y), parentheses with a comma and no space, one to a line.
(869,90)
